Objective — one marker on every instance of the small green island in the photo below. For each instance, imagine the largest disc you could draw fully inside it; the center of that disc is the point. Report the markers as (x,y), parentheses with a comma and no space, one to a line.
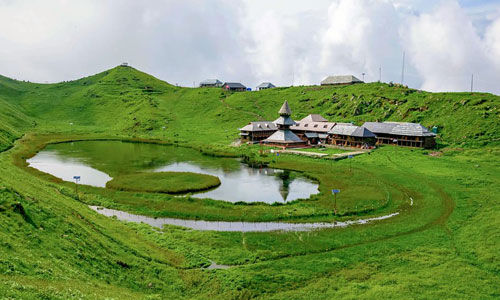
(164,182)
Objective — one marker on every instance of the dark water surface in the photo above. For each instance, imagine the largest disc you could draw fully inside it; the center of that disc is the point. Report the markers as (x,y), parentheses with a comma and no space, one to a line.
(97,162)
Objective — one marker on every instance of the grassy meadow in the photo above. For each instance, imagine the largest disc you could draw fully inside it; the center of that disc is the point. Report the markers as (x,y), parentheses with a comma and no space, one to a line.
(444,243)
(164,182)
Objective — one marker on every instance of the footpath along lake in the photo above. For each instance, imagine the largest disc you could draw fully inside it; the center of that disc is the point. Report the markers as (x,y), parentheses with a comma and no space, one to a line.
(97,162)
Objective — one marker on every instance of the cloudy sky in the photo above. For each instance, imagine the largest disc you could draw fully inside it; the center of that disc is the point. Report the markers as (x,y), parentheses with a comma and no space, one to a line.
(283,41)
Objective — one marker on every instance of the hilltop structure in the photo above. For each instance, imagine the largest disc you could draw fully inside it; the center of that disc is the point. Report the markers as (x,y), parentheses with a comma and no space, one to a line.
(265,86)
(341,80)
(284,136)
(234,87)
(211,83)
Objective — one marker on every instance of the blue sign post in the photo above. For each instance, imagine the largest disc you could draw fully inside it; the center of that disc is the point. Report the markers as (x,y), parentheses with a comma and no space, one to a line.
(76,178)
(335,192)
(350,162)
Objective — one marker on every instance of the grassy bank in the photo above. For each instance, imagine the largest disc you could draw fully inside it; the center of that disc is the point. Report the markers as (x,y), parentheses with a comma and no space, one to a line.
(164,182)
(444,244)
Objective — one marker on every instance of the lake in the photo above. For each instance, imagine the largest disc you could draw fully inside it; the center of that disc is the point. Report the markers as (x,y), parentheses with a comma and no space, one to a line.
(97,162)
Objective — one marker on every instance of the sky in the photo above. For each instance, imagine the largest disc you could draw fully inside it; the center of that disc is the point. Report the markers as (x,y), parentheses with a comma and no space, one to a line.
(286,42)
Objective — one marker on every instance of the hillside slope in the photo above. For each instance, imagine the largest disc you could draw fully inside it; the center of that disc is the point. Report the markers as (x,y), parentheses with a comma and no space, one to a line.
(124,99)
(13,122)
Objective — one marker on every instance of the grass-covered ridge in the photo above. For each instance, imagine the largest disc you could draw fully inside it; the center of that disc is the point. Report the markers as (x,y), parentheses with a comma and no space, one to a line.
(444,246)
(143,105)
(164,182)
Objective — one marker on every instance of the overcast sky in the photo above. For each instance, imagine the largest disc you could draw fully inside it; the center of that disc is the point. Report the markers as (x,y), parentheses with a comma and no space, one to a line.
(283,41)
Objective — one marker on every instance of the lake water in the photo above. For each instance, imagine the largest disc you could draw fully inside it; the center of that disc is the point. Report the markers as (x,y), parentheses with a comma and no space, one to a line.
(233,226)
(97,162)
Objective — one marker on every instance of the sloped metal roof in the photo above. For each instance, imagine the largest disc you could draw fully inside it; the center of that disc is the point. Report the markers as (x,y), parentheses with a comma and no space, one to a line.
(211,81)
(234,85)
(260,126)
(313,126)
(340,79)
(266,85)
(285,109)
(284,120)
(284,136)
(351,130)
(314,118)
(398,128)
(311,135)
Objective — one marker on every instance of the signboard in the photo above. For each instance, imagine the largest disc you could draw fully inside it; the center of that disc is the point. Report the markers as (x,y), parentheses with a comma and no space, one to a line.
(349,156)
(76,178)
(335,191)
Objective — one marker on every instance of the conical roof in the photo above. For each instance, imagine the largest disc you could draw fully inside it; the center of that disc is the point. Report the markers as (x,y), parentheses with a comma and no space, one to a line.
(285,109)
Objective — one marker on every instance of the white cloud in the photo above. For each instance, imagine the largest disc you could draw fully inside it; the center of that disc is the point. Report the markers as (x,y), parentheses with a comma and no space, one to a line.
(445,49)
(254,41)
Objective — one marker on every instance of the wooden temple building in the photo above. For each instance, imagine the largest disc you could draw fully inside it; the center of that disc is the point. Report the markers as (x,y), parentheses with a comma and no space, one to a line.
(314,129)
(402,134)
(284,137)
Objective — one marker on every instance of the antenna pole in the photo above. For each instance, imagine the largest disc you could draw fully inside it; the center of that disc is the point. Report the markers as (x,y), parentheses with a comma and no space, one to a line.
(403,69)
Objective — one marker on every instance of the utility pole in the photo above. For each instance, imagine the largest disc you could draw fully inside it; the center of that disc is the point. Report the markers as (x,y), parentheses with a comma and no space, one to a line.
(472,83)
(403,69)
(380,74)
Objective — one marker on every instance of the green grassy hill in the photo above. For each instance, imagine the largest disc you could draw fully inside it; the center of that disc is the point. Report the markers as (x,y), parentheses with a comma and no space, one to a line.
(124,99)
(444,244)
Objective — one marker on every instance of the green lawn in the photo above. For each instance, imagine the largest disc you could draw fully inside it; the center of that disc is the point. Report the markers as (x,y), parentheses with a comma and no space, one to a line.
(444,243)
(164,182)
(329,151)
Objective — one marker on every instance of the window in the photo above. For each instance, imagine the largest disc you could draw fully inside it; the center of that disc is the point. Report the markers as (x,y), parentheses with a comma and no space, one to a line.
(306,125)
(315,125)
(324,126)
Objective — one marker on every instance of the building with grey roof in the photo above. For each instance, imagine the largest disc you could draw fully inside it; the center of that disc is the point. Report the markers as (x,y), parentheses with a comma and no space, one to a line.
(284,137)
(402,134)
(349,135)
(234,87)
(257,131)
(341,80)
(314,118)
(211,83)
(265,86)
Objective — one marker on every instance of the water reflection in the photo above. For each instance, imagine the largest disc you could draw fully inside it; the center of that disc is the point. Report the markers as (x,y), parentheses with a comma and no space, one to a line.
(65,168)
(251,184)
(98,161)
(231,226)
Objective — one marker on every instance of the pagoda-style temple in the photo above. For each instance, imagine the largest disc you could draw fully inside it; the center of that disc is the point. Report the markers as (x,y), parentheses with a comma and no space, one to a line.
(284,137)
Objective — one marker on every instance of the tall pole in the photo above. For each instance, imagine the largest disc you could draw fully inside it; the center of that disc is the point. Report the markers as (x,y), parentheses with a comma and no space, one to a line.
(403,69)
(472,83)
(335,203)
(380,74)
(363,76)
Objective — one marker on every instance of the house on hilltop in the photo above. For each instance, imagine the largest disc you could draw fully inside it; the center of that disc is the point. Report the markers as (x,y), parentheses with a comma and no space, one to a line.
(234,87)
(265,86)
(402,134)
(211,83)
(341,80)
